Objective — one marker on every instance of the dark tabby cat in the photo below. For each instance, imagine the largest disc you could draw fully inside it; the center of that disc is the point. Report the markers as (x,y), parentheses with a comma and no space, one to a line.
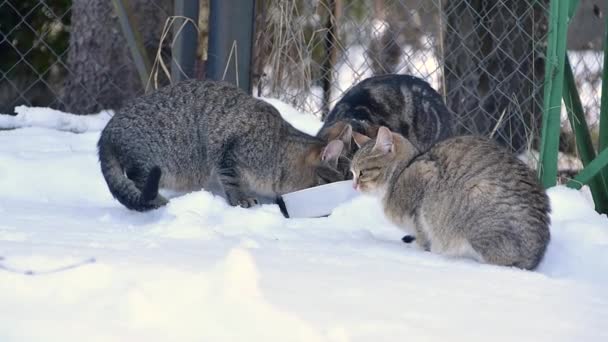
(464,197)
(193,134)
(405,104)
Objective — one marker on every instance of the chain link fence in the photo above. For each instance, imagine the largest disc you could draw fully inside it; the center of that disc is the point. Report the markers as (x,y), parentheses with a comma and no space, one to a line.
(485,57)
(33,44)
(71,55)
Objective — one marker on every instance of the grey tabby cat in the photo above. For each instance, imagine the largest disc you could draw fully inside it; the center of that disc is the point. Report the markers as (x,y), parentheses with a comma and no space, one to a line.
(196,134)
(464,197)
(405,104)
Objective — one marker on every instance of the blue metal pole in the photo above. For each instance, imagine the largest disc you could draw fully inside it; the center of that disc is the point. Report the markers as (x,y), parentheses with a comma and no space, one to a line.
(183,63)
(231,27)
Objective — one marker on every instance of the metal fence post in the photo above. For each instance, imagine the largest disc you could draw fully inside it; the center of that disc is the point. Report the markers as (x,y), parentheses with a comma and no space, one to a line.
(185,34)
(603,138)
(576,115)
(590,171)
(133,38)
(231,25)
(554,84)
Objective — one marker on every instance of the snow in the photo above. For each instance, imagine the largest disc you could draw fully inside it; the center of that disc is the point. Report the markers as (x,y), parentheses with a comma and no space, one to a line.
(75,265)
(51,118)
(304,122)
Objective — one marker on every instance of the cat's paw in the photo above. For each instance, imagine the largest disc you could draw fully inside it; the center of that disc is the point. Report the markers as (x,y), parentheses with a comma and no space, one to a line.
(408,239)
(242,201)
(237,199)
(248,202)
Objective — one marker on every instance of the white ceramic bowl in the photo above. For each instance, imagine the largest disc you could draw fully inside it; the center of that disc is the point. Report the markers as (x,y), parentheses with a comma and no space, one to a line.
(317,201)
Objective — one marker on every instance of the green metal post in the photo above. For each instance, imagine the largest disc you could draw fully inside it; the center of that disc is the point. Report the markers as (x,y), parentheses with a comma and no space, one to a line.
(576,116)
(590,171)
(554,83)
(603,139)
(572,8)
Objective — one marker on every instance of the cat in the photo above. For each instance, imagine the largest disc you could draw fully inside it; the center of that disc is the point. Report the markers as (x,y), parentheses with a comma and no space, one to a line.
(405,104)
(465,196)
(194,134)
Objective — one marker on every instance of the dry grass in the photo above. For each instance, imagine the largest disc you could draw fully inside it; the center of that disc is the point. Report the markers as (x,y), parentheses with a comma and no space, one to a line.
(286,52)
(159,63)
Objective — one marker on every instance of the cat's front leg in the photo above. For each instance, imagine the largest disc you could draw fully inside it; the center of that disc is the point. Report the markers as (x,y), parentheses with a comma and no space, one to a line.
(248,202)
(235,196)
(231,182)
(422,238)
(422,241)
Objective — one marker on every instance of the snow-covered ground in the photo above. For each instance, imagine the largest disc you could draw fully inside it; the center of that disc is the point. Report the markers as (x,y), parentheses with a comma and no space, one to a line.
(77,266)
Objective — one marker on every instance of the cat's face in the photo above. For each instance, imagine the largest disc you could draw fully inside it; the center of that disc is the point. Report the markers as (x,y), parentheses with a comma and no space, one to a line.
(326,173)
(372,160)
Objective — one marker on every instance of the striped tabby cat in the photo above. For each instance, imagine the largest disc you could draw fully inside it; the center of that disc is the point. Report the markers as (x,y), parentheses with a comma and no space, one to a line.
(465,197)
(405,104)
(194,134)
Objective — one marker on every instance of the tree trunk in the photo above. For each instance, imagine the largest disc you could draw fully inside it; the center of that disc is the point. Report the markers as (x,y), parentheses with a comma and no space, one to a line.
(101,72)
(494,69)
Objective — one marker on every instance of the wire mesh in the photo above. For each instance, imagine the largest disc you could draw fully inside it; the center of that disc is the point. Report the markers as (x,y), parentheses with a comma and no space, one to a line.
(33,44)
(37,67)
(485,57)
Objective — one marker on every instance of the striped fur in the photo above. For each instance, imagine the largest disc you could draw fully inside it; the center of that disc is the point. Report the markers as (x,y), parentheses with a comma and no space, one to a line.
(464,197)
(405,104)
(196,134)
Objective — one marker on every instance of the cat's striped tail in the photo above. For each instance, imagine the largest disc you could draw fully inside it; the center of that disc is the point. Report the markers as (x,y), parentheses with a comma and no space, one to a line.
(123,188)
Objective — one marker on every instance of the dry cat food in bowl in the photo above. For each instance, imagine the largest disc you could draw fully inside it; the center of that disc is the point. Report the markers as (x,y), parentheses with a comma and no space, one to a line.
(318,201)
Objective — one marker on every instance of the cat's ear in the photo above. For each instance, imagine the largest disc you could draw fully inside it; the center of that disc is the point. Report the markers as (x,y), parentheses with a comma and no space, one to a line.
(332,152)
(384,140)
(360,139)
(346,136)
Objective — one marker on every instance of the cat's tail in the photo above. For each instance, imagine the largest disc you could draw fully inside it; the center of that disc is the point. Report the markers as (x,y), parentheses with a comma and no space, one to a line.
(123,188)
